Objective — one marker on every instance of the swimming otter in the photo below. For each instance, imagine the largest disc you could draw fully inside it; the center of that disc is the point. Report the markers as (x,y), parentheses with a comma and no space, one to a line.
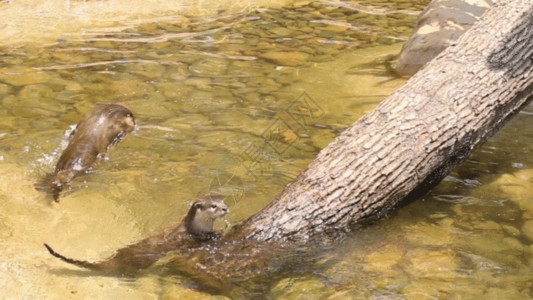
(195,228)
(97,131)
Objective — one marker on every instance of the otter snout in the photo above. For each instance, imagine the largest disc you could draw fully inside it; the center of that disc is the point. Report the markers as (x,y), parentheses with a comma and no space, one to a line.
(224,209)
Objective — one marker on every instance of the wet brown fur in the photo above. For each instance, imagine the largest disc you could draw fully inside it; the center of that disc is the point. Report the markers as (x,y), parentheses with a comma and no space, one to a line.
(98,130)
(195,228)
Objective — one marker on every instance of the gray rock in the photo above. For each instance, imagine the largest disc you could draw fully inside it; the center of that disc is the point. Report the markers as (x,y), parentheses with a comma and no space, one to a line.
(439,25)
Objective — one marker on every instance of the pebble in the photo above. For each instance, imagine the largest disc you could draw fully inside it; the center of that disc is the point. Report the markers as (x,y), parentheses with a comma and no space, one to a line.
(172,91)
(383,259)
(527,230)
(199,83)
(291,59)
(429,264)
(33,101)
(178,72)
(424,233)
(128,88)
(153,109)
(289,288)
(511,230)
(36,92)
(205,102)
(146,70)
(487,225)
(427,289)
(19,76)
(524,174)
(5,89)
(211,67)
(281,32)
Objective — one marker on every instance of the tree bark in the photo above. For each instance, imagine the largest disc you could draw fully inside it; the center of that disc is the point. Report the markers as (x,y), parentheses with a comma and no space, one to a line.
(395,153)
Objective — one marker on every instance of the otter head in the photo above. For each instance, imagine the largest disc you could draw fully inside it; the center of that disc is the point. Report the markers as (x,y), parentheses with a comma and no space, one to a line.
(124,118)
(204,212)
(210,208)
(121,121)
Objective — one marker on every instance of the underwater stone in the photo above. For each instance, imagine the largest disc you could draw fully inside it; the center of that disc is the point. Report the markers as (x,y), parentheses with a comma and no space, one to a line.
(209,67)
(432,264)
(38,91)
(19,76)
(148,70)
(5,89)
(384,258)
(199,83)
(527,229)
(291,59)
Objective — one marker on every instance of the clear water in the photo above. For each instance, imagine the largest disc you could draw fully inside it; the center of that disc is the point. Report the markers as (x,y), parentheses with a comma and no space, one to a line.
(214,85)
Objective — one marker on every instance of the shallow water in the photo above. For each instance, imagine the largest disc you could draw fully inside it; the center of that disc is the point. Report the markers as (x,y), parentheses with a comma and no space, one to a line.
(236,99)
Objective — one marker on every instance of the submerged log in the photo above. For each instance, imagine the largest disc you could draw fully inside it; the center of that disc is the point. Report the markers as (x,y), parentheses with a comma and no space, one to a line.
(396,153)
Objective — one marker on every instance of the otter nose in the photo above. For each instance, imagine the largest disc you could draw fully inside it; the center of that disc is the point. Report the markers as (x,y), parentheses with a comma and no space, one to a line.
(225,209)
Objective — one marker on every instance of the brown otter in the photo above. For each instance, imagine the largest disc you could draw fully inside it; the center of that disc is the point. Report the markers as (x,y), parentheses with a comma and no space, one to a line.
(98,130)
(195,228)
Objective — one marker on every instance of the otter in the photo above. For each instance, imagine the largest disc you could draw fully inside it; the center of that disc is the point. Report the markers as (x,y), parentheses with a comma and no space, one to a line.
(195,229)
(97,131)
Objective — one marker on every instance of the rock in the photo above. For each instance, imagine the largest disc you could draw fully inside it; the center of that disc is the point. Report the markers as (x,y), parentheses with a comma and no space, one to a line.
(147,70)
(439,25)
(384,258)
(285,58)
(513,245)
(176,291)
(38,92)
(209,67)
(178,72)
(508,184)
(487,225)
(527,229)
(299,289)
(34,101)
(427,289)
(495,292)
(199,83)
(511,230)
(524,174)
(153,109)
(19,76)
(435,265)
(5,89)
(130,87)
(280,32)
(173,91)
(427,234)
(7,124)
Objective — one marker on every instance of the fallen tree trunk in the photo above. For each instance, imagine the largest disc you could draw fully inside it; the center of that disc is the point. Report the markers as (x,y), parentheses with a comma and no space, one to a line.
(393,154)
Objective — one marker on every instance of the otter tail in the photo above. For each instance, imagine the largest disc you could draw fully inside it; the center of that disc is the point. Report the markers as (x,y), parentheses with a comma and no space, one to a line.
(79,263)
(50,185)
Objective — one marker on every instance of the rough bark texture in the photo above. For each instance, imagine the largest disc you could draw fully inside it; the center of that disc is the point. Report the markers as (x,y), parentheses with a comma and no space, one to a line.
(401,149)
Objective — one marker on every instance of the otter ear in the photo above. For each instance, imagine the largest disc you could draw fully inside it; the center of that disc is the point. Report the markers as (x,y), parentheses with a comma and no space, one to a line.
(198,205)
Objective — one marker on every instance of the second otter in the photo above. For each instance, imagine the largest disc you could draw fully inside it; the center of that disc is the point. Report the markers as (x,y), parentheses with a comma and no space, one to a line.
(196,226)
(98,130)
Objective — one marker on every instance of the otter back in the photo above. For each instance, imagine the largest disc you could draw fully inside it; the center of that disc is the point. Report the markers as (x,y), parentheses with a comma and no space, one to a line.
(99,129)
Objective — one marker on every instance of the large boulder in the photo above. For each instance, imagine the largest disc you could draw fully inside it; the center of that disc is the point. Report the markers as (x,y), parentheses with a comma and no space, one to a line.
(438,26)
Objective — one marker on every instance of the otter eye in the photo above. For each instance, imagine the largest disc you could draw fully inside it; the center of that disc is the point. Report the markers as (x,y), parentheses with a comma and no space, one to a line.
(213,206)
